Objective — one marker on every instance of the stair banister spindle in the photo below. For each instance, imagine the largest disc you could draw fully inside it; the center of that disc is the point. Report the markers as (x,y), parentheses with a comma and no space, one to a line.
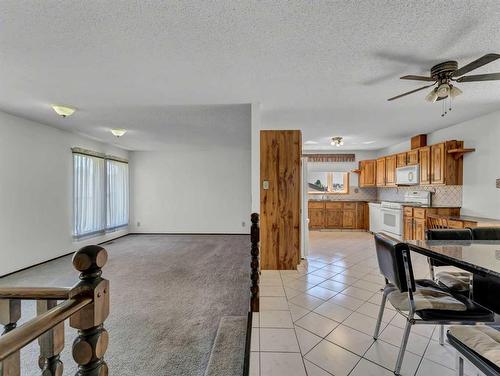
(255,239)
(92,341)
(10,313)
(51,343)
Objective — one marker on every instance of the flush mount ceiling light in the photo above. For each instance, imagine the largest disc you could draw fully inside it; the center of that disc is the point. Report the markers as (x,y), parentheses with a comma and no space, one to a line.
(118,132)
(443,74)
(63,111)
(337,141)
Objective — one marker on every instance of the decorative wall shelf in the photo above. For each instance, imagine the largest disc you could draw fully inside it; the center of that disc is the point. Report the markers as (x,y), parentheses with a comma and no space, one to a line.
(457,153)
(357,171)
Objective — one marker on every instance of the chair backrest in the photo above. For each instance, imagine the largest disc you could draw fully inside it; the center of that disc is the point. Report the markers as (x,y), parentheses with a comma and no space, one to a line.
(436,221)
(449,234)
(486,233)
(390,261)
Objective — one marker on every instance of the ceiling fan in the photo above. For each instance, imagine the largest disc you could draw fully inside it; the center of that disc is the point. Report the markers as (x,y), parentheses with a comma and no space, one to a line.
(443,74)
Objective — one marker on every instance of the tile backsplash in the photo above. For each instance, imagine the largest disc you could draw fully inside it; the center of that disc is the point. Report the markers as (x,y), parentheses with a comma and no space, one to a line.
(449,195)
(355,193)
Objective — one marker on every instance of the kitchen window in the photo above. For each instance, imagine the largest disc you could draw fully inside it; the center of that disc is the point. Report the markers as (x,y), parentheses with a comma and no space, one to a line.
(100,193)
(328,183)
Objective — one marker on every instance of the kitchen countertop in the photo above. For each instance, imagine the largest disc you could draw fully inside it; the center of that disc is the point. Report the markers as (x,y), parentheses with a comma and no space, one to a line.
(347,200)
(484,222)
(432,206)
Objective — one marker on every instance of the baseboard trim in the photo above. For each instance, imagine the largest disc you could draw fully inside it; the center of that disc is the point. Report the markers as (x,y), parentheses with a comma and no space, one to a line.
(56,258)
(186,233)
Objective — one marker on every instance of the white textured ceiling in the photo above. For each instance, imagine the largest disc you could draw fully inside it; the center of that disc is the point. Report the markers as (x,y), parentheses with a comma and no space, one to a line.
(325,67)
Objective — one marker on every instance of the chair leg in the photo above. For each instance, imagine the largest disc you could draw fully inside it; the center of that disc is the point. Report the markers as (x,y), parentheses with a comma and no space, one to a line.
(431,270)
(380,315)
(460,366)
(404,342)
(441,334)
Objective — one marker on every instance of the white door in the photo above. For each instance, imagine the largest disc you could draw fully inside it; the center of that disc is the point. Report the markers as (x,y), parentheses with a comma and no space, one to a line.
(305,211)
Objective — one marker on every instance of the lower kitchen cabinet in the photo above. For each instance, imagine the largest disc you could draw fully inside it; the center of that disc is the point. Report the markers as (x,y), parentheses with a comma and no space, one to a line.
(415,220)
(337,215)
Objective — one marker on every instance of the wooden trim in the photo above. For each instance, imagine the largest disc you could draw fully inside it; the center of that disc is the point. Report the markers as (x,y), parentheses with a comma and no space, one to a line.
(35,293)
(29,331)
(330,157)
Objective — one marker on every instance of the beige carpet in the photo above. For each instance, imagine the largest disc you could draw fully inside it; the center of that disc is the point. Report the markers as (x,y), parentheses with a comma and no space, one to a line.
(168,295)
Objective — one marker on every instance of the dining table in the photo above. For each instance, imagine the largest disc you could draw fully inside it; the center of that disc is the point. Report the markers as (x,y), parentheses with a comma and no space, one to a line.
(479,257)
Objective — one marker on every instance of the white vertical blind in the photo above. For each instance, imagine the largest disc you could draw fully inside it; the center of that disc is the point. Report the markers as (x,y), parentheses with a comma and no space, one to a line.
(117,194)
(89,199)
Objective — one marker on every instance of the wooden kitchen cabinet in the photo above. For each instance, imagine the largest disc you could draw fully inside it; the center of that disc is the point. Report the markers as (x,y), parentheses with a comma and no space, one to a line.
(367,175)
(401,160)
(380,170)
(437,163)
(390,170)
(338,215)
(419,229)
(408,228)
(349,218)
(316,218)
(333,218)
(424,156)
(412,157)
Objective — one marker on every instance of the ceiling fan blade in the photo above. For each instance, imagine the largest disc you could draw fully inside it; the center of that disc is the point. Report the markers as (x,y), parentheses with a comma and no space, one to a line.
(411,92)
(476,64)
(480,77)
(417,78)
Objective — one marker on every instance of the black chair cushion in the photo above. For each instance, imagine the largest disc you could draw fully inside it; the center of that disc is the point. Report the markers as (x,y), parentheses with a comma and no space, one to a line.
(487,367)
(486,233)
(473,312)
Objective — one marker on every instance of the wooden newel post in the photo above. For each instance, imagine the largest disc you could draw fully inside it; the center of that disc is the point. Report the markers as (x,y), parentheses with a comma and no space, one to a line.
(51,343)
(255,238)
(10,313)
(92,341)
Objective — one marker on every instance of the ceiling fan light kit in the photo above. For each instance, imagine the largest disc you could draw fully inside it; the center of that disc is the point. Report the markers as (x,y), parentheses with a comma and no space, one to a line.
(444,74)
(337,141)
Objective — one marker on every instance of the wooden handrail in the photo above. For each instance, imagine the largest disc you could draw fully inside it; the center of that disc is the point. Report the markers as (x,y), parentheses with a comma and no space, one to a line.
(29,331)
(35,293)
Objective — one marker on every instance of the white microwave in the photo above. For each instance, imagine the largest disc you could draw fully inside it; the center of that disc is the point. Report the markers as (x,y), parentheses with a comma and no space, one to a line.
(408,175)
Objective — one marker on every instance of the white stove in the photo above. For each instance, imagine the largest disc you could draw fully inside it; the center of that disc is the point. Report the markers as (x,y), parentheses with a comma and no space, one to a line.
(392,212)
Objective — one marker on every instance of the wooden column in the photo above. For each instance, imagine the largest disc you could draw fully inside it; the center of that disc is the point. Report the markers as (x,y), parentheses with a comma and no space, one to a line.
(10,313)
(51,343)
(254,238)
(92,341)
(280,199)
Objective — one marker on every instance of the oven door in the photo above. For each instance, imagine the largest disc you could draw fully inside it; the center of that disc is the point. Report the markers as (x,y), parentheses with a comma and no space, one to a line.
(392,222)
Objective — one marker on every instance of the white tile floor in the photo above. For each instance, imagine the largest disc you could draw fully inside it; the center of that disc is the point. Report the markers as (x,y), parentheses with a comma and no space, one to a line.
(319,320)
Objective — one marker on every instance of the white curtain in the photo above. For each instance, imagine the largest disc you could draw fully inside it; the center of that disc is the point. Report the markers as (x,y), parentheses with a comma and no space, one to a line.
(89,200)
(117,194)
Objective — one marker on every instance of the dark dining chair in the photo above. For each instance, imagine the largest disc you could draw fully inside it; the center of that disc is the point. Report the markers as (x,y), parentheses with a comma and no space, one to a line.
(479,345)
(420,301)
(454,280)
(486,233)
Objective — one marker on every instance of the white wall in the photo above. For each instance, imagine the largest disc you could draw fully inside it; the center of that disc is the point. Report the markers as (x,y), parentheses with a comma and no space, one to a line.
(256,127)
(36,192)
(481,169)
(191,190)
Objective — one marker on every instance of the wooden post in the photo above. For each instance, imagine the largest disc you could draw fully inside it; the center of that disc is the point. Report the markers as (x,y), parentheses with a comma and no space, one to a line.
(92,341)
(10,313)
(51,343)
(255,238)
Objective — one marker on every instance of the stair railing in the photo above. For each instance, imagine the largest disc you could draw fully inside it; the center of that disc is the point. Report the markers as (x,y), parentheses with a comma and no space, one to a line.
(86,305)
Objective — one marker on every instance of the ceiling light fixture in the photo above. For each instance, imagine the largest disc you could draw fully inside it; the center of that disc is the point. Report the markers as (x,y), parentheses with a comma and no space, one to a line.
(118,132)
(337,141)
(63,111)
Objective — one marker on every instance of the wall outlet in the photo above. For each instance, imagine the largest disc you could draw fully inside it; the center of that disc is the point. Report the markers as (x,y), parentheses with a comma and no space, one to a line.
(243,224)
(138,224)
(498,183)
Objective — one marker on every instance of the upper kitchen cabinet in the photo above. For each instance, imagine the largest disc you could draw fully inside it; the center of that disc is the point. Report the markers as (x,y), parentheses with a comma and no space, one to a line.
(401,159)
(424,156)
(367,173)
(390,171)
(412,157)
(380,172)
(445,168)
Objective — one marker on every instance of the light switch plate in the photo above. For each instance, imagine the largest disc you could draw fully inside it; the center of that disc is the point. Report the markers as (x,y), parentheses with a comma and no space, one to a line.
(265,184)
(498,183)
